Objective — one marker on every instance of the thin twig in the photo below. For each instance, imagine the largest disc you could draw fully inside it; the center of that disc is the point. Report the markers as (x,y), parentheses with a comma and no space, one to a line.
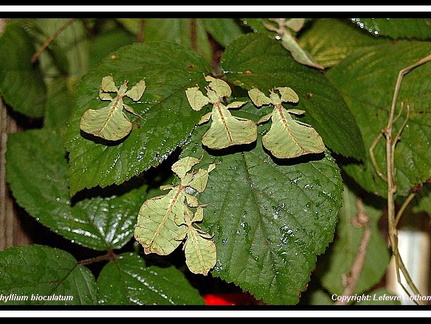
(390,174)
(106,257)
(50,39)
(361,220)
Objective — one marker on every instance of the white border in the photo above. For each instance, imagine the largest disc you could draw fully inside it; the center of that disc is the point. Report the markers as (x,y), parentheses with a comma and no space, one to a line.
(217,8)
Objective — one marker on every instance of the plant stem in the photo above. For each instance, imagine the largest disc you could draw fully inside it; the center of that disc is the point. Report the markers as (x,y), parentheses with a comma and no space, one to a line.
(50,39)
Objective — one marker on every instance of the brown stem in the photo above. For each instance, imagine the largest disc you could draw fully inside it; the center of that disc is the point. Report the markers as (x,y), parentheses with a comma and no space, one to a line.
(50,39)
(361,220)
(106,257)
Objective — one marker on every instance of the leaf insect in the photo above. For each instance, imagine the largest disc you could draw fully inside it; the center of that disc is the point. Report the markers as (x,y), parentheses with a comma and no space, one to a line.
(200,251)
(225,130)
(156,228)
(110,122)
(287,137)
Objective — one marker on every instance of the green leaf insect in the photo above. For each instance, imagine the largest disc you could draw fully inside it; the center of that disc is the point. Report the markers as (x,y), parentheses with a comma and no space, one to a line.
(226,130)
(156,229)
(287,137)
(200,251)
(110,122)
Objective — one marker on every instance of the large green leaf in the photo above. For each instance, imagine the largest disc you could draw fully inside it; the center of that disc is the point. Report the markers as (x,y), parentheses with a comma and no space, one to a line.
(223,30)
(189,32)
(21,82)
(128,281)
(167,119)
(367,80)
(269,221)
(396,28)
(41,275)
(331,40)
(336,264)
(256,60)
(36,168)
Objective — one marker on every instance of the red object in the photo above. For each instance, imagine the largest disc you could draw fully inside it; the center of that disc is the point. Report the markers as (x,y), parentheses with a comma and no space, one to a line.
(228,299)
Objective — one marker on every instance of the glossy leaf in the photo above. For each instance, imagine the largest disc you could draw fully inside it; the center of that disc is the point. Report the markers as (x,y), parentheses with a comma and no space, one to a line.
(38,181)
(287,138)
(368,87)
(111,122)
(21,83)
(42,275)
(257,61)
(396,28)
(167,119)
(269,222)
(128,281)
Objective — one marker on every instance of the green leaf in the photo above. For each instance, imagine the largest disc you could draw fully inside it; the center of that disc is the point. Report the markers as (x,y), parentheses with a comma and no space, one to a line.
(21,83)
(337,263)
(41,275)
(255,60)
(269,221)
(223,30)
(367,80)
(189,32)
(396,28)
(60,101)
(167,119)
(128,281)
(36,169)
(106,42)
(330,40)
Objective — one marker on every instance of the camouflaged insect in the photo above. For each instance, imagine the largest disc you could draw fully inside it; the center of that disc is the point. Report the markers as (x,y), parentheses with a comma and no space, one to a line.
(110,122)
(287,137)
(225,130)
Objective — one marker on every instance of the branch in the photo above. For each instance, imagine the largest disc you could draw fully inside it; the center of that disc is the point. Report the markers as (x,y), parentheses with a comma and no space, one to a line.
(50,39)
(361,220)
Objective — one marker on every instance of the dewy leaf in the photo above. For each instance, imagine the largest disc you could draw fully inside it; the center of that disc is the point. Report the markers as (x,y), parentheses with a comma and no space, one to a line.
(167,119)
(110,122)
(287,138)
(331,40)
(21,83)
(269,222)
(36,170)
(337,263)
(199,249)
(128,281)
(369,96)
(226,130)
(41,275)
(396,28)
(256,61)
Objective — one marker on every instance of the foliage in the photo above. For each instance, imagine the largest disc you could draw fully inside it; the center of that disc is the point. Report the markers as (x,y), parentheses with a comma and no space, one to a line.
(122,101)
